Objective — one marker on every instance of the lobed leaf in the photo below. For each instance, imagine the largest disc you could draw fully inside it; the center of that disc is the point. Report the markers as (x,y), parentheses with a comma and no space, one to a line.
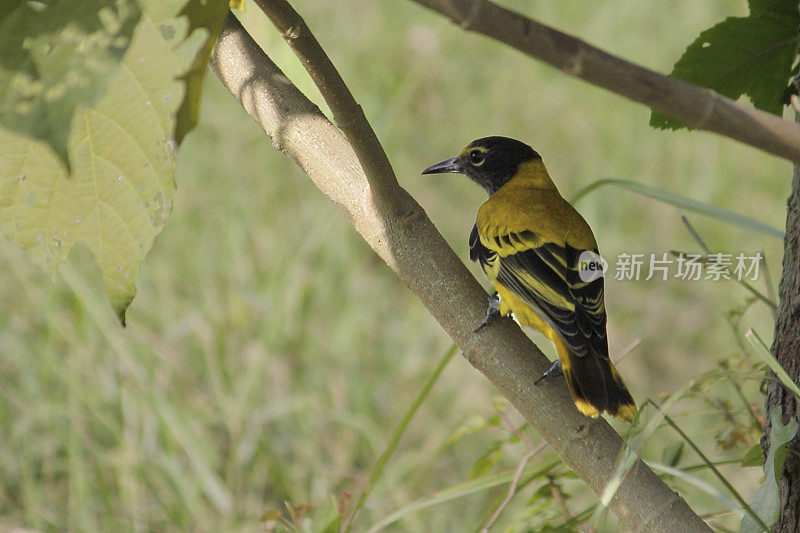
(750,56)
(119,193)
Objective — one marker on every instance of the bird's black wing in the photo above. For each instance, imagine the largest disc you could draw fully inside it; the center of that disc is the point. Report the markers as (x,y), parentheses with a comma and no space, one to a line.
(546,276)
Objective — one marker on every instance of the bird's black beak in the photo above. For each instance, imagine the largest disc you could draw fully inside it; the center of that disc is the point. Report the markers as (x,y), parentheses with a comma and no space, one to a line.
(448,165)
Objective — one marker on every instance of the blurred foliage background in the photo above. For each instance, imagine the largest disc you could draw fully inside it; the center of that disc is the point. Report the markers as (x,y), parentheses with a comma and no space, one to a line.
(269,353)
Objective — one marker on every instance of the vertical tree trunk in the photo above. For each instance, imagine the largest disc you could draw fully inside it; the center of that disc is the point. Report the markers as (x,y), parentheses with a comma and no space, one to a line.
(786,349)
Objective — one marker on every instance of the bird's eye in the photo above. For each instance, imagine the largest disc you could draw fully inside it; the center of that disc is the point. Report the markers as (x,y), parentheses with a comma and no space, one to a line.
(476,157)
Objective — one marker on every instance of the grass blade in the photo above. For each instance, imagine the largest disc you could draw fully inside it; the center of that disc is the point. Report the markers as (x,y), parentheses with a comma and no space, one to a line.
(700,484)
(464,489)
(377,470)
(718,213)
(763,352)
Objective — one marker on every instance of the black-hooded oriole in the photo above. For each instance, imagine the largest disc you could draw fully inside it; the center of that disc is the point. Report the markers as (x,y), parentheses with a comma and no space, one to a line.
(529,240)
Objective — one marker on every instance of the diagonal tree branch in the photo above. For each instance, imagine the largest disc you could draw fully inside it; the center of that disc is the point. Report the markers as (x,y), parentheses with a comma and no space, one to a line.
(347,114)
(699,108)
(414,249)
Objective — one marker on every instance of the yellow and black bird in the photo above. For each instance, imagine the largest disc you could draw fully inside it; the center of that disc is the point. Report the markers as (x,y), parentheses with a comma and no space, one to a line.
(533,244)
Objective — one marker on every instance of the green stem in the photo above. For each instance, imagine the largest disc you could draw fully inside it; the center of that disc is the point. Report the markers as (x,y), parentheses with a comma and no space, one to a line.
(755,423)
(696,236)
(713,468)
(377,470)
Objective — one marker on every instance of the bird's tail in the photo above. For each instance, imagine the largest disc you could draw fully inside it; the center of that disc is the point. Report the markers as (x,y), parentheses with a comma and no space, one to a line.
(596,385)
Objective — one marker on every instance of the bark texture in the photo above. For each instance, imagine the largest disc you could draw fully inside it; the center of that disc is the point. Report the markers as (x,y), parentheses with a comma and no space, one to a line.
(786,349)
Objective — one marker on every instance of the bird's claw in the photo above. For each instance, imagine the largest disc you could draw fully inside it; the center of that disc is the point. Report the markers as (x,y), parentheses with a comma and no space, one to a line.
(554,370)
(491,312)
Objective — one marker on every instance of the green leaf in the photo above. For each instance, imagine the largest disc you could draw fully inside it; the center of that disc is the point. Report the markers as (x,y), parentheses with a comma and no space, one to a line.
(486,462)
(750,56)
(718,213)
(397,434)
(767,500)
(207,15)
(780,458)
(56,56)
(119,193)
(542,493)
(696,482)
(334,525)
(754,456)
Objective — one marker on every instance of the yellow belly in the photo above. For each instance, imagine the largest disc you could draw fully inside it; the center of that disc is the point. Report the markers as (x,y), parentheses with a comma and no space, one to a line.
(511,303)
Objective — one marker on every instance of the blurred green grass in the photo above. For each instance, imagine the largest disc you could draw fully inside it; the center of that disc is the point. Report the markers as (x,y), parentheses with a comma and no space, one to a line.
(269,353)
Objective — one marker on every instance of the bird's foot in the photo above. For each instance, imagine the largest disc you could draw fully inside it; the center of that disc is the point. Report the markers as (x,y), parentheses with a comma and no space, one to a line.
(491,312)
(554,370)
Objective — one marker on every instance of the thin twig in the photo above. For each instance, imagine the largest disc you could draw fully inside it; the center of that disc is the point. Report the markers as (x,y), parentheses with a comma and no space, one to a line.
(347,113)
(625,351)
(521,436)
(696,236)
(734,382)
(752,290)
(698,107)
(513,488)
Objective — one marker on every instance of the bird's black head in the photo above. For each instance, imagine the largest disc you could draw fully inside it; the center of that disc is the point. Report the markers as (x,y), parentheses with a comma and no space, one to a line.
(490,162)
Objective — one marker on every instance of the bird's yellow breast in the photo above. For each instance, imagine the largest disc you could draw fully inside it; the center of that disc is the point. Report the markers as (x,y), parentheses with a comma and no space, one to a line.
(530,202)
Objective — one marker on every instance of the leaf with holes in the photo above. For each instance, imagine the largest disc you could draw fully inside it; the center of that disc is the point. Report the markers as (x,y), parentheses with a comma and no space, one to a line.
(119,193)
(55,57)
